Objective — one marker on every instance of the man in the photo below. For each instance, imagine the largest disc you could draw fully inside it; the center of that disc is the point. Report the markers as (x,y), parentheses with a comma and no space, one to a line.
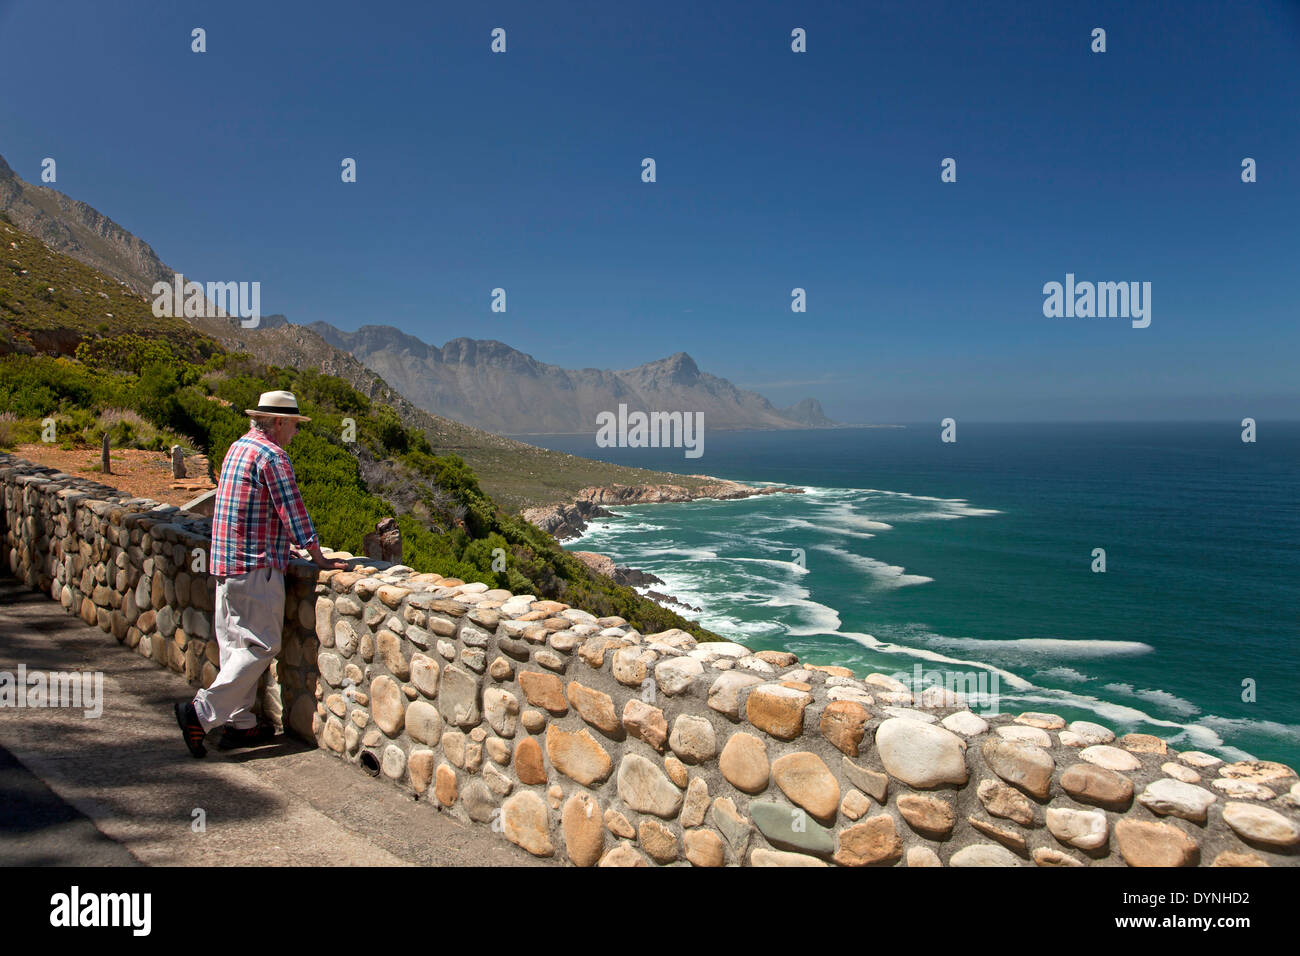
(258,511)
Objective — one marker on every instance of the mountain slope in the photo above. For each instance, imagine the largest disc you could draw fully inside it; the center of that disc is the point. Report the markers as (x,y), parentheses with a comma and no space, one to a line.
(69,226)
(488,384)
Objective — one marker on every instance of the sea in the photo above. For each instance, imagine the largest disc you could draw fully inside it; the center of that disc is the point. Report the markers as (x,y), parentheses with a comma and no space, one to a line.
(1145,576)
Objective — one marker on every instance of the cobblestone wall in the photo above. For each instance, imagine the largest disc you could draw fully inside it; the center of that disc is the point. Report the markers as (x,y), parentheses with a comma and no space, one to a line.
(577,736)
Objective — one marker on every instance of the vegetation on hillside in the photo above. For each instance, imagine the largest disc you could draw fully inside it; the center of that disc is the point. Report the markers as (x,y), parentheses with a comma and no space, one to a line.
(357,462)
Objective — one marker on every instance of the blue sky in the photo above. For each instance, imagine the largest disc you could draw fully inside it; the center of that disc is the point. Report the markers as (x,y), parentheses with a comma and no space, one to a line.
(775,170)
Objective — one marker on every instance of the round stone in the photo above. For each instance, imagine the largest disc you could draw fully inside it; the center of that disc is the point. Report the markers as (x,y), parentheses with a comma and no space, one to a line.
(809,783)
(1110,758)
(1086,829)
(693,739)
(1258,824)
(921,755)
(984,854)
(744,763)
(584,829)
(1174,798)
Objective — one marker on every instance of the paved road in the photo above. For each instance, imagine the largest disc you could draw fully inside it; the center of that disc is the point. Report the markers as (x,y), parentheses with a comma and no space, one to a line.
(121,789)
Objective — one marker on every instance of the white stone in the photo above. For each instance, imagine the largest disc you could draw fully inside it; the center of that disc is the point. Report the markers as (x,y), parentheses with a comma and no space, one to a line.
(887,682)
(909,714)
(709,652)
(984,854)
(1243,789)
(1179,772)
(1261,825)
(1198,759)
(1174,798)
(1090,732)
(755,664)
(1026,735)
(1086,829)
(965,723)
(919,754)
(1111,758)
(676,674)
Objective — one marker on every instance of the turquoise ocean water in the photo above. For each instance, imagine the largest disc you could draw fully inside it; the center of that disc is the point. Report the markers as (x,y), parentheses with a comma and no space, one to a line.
(977,556)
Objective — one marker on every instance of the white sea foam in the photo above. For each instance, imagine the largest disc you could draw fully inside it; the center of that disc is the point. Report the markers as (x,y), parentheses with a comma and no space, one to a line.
(882,574)
(785,565)
(1063,673)
(1050,647)
(1161,698)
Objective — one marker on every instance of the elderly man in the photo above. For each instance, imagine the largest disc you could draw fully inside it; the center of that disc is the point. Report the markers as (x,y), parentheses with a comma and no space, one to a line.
(258,511)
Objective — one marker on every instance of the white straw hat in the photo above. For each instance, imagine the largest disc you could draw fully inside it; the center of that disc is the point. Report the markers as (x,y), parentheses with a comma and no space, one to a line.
(277,405)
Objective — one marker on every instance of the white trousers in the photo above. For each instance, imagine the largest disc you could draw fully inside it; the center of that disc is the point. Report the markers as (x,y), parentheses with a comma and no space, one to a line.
(249,618)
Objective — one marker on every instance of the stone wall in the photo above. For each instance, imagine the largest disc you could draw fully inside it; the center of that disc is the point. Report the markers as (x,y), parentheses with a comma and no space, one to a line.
(579,737)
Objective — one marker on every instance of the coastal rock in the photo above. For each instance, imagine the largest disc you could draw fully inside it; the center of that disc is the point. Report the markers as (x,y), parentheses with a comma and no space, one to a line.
(1257,771)
(545,691)
(762,857)
(1011,839)
(1041,721)
(1091,733)
(658,841)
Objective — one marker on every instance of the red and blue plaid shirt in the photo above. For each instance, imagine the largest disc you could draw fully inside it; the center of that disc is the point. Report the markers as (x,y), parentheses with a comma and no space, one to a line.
(258,509)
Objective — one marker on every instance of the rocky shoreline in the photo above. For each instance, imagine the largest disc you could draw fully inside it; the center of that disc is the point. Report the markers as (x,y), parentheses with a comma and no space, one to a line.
(631,577)
(569,520)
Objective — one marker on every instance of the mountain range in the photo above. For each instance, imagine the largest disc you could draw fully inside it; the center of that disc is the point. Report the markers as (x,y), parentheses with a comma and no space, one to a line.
(485,384)
(488,384)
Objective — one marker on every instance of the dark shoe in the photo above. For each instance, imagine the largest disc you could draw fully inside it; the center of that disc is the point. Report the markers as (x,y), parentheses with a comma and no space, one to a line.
(190,727)
(235,737)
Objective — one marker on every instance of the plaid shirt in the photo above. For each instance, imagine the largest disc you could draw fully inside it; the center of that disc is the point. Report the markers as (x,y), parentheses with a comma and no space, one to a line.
(258,509)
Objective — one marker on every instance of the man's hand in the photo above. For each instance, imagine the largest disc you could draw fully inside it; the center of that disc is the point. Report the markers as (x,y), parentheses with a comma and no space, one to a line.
(324,563)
